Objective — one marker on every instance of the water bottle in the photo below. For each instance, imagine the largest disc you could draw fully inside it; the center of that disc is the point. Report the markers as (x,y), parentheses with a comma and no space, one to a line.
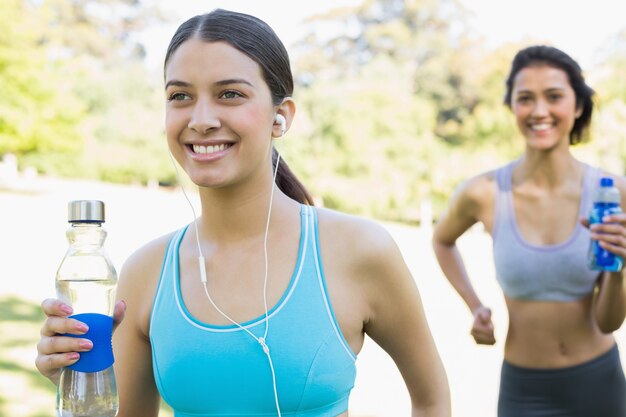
(86,280)
(606,201)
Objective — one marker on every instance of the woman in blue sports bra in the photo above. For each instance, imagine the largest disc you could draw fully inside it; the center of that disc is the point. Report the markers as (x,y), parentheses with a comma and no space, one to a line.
(261,304)
(560,358)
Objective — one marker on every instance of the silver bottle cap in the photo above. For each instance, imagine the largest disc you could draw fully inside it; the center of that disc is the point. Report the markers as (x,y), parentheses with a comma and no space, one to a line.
(88,211)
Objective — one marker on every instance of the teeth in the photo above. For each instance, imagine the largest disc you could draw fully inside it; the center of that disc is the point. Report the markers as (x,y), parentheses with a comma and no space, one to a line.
(542,126)
(209,149)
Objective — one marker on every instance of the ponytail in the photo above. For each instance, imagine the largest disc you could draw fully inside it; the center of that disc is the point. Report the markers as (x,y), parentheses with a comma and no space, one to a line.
(288,183)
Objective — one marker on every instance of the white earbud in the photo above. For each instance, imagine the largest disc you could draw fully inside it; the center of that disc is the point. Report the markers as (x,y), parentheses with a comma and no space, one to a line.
(280,119)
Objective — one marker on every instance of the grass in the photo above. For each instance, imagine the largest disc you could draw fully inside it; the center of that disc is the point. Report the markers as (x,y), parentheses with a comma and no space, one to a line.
(24,392)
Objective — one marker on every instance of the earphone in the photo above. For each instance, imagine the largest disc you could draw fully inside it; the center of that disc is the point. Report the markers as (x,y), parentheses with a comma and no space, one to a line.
(280,119)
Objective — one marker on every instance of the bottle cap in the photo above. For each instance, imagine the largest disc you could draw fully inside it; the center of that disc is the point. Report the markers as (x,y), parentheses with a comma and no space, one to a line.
(606,182)
(85,211)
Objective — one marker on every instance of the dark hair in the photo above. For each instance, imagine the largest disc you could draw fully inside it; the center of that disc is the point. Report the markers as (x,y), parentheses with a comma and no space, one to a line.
(257,40)
(548,55)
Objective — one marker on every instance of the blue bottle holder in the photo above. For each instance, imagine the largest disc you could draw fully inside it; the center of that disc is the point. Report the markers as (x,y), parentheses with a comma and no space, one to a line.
(100,333)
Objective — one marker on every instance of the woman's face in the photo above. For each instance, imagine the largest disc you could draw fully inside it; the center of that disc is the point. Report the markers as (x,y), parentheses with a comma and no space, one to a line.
(544,105)
(219,113)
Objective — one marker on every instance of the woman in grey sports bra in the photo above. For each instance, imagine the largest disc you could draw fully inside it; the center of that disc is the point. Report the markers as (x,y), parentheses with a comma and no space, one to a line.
(560,357)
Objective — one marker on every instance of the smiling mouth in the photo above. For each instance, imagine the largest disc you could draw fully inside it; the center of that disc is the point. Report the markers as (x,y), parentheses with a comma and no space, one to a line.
(540,127)
(201,149)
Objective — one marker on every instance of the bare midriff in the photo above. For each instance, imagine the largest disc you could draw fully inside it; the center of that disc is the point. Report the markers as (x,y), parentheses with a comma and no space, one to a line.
(550,334)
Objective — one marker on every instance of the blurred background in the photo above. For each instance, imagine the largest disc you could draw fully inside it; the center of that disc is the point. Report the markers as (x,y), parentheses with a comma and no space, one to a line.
(398,101)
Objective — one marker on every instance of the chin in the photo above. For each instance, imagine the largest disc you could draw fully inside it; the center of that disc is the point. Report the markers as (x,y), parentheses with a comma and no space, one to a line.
(542,145)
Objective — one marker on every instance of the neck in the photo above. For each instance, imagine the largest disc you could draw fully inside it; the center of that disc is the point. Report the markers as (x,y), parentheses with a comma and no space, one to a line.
(232,215)
(549,169)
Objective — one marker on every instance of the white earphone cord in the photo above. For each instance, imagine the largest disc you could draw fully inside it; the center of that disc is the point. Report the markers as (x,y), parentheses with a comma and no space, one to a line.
(203,275)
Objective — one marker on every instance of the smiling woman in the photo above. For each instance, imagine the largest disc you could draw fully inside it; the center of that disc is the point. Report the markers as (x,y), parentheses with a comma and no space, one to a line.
(561,313)
(219,107)
(269,299)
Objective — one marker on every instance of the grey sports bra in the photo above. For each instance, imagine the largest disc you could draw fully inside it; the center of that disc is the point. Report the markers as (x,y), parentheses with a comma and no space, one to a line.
(531,272)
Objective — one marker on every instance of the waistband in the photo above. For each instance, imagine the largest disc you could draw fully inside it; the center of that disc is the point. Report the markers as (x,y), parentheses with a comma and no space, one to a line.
(610,358)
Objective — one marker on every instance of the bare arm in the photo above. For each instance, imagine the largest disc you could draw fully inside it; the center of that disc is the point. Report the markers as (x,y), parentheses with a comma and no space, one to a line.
(610,302)
(398,324)
(462,213)
(131,344)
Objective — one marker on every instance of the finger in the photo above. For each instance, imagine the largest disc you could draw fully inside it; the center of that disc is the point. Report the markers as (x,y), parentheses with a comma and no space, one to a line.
(608,228)
(63,344)
(584,221)
(486,341)
(482,334)
(61,325)
(615,218)
(49,364)
(613,239)
(485,315)
(484,338)
(55,307)
(614,249)
(119,312)
(483,327)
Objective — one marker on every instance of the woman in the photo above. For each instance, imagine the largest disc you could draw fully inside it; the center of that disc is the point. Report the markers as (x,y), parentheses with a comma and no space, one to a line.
(560,358)
(272,318)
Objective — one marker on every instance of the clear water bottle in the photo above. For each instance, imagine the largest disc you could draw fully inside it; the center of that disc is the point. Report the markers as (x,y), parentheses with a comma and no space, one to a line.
(86,280)
(606,201)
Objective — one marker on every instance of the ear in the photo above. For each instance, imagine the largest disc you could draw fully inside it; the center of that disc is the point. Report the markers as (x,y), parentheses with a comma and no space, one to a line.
(288,110)
(579,111)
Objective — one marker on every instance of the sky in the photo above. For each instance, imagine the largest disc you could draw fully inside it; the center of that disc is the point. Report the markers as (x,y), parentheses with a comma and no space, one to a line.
(582,28)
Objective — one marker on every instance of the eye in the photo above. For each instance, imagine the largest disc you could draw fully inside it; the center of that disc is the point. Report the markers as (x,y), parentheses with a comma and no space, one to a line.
(554,97)
(178,96)
(231,94)
(523,99)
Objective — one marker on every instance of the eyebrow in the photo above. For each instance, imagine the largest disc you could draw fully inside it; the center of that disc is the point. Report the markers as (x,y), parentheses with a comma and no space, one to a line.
(234,81)
(547,90)
(179,83)
(176,83)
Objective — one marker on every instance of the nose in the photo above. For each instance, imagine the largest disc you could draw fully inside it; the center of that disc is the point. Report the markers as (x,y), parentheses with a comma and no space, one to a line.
(203,117)
(540,108)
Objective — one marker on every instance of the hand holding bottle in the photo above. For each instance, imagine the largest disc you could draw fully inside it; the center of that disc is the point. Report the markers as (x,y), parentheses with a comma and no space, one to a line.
(608,229)
(610,236)
(56,351)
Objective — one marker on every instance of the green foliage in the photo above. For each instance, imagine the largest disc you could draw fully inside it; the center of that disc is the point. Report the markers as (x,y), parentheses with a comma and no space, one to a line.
(37,115)
(397,102)
(75,99)
(395,107)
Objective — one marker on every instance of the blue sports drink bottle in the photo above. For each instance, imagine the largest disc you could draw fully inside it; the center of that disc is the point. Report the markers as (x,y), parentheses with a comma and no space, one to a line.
(606,201)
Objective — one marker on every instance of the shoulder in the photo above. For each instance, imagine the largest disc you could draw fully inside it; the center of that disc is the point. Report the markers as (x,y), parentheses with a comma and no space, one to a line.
(473,197)
(472,201)
(618,180)
(346,228)
(138,281)
(620,184)
(146,257)
(357,243)
(363,262)
(478,189)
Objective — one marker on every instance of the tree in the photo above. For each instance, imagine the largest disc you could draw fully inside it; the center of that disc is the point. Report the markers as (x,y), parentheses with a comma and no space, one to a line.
(37,112)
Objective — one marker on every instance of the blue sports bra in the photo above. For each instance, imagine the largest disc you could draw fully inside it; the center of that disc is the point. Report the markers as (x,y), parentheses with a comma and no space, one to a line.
(531,272)
(207,370)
